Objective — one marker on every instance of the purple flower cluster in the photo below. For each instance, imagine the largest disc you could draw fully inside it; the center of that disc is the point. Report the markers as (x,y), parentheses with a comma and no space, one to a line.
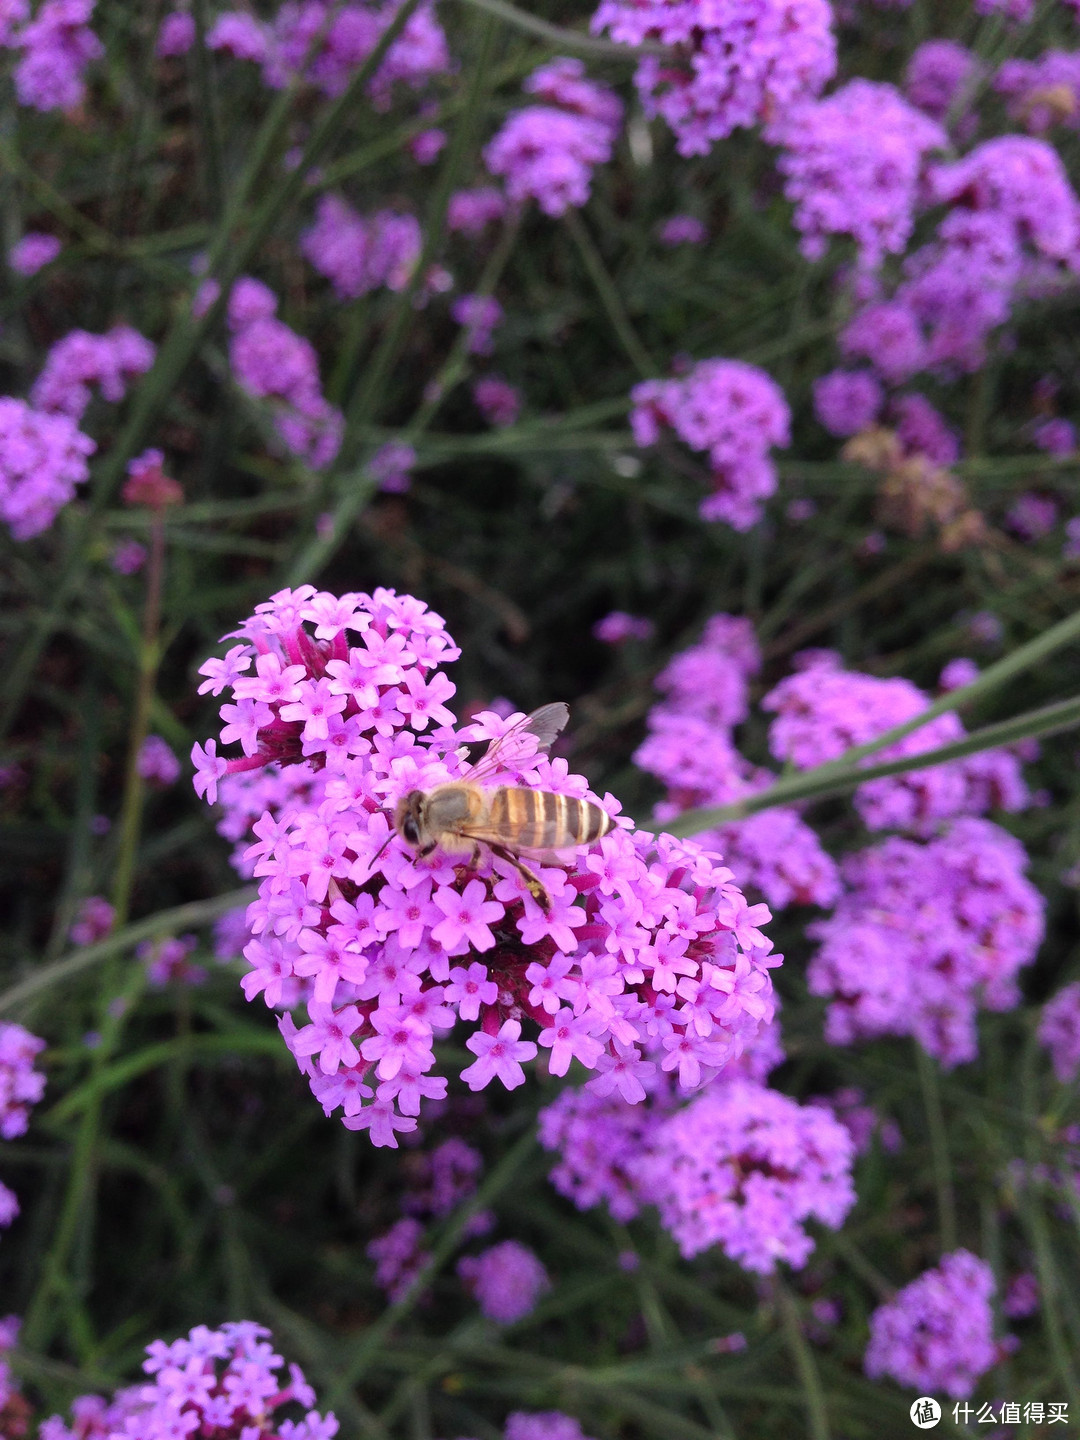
(1015,221)
(853,164)
(600,1141)
(507,1280)
(92,922)
(157,761)
(923,935)
(42,450)
(273,363)
(741,1166)
(822,710)
(497,400)
(682,230)
(13,1404)
(1031,517)
(542,1425)
(938,1332)
(42,459)
(547,152)
(33,252)
(937,73)
(480,315)
(744,1167)
(1059,1031)
(391,467)
(691,748)
(226,1382)
(446,1177)
(20,1084)
(736,64)
(847,401)
(1042,92)
(470,212)
(1022,182)
(239,35)
(734,413)
(20,1087)
(81,360)
(349,34)
(647,953)
(921,430)
(618,626)
(359,253)
(55,48)
(167,963)
(398,1257)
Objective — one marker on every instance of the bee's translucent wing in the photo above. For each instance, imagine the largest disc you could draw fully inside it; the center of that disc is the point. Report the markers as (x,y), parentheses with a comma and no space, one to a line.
(507,750)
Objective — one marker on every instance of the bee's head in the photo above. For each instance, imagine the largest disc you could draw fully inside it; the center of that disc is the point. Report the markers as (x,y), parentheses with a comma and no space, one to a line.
(407,817)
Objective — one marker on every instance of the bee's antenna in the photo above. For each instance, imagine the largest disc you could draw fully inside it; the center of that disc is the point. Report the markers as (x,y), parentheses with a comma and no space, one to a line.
(375,857)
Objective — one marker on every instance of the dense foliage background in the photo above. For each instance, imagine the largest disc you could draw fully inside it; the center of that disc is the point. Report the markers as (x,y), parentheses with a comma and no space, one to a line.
(177,1171)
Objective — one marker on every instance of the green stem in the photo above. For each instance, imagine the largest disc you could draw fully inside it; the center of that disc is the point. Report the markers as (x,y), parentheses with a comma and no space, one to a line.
(1034,1218)
(939,1146)
(58,1297)
(816,1413)
(823,779)
(187,332)
(208,110)
(165,922)
(149,660)
(451,1237)
(365,403)
(358,488)
(610,298)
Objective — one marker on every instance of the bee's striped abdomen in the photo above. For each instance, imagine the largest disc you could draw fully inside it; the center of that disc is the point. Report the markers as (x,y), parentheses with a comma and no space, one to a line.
(541,820)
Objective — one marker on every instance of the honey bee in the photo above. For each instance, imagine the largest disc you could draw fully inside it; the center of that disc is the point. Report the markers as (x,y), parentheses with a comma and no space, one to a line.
(465,814)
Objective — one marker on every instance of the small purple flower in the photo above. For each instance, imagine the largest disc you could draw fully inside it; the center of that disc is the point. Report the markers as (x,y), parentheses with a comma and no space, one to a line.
(847,401)
(731,66)
(42,459)
(1021,1297)
(938,71)
(1056,437)
(93,921)
(1059,1031)
(157,761)
(497,400)
(177,34)
(480,315)
(21,1086)
(226,1382)
(128,557)
(547,152)
(682,230)
(733,412)
(1031,517)
(470,212)
(617,627)
(853,163)
(56,47)
(507,1281)
(33,252)
(239,35)
(937,1333)
(167,961)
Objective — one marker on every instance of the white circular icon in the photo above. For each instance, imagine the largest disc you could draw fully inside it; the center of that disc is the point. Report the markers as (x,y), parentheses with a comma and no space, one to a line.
(925,1412)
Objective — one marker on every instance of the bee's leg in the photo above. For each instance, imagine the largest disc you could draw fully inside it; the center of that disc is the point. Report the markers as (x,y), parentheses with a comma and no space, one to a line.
(535,888)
